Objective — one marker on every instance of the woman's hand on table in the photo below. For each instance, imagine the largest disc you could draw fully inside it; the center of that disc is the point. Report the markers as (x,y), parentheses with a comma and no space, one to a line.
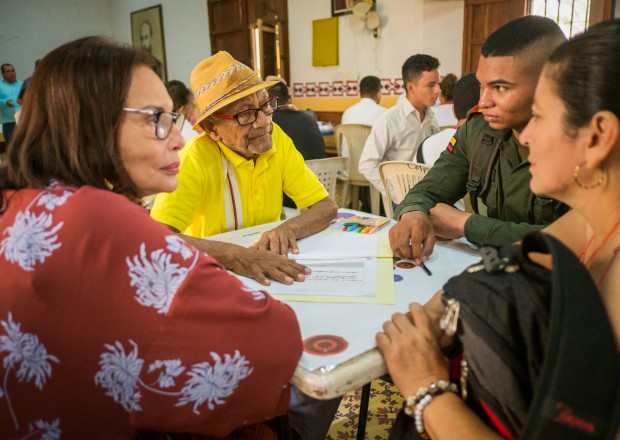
(411,351)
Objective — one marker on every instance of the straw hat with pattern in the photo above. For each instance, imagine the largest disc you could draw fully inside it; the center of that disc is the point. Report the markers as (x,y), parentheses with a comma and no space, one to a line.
(219,80)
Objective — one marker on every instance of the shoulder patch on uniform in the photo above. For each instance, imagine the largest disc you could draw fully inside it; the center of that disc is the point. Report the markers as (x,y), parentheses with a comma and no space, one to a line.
(451,144)
(475,110)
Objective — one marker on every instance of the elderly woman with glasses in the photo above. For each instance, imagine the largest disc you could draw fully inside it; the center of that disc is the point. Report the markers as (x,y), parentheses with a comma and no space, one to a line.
(111,326)
(233,176)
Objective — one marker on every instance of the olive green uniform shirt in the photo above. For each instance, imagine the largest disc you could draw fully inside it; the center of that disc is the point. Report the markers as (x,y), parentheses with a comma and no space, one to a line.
(509,200)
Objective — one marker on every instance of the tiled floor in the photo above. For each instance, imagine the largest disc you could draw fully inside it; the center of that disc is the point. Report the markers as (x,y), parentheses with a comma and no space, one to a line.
(385,403)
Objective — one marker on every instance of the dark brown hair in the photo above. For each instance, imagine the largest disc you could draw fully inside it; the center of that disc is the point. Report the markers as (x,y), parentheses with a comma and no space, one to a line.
(71,116)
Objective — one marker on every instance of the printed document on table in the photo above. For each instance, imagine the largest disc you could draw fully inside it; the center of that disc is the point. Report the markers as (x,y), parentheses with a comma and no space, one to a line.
(355,280)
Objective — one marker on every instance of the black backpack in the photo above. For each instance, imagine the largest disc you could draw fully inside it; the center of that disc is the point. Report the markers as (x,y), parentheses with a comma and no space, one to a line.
(542,356)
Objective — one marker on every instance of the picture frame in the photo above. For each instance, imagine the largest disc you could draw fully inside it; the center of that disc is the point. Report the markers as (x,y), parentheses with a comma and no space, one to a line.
(147,32)
(345,7)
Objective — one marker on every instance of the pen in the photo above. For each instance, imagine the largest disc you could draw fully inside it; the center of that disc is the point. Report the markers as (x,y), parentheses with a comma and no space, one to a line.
(425,269)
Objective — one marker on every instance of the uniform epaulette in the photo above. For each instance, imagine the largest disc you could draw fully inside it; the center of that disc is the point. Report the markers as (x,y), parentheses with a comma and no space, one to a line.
(476,110)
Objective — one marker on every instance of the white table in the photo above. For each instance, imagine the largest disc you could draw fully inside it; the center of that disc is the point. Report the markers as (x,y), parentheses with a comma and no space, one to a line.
(324,376)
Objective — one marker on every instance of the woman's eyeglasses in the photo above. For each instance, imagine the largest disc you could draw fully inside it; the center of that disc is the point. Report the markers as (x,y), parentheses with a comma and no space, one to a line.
(163,120)
(249,116)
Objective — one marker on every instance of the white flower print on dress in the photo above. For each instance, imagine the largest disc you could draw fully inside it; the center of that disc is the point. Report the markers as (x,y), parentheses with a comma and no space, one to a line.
(178,245)
(119,374)
(156,277)
(173,368)
(211,383)
(258,295)
(28,354)
(51,200)
(31,239)
(49,431)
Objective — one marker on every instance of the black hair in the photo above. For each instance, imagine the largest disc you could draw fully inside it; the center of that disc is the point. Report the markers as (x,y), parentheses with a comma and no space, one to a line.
(5,65)
(416,65)
(179,93)
(466,95)
(521,34)
(584,72)
(280,90)
(370,86)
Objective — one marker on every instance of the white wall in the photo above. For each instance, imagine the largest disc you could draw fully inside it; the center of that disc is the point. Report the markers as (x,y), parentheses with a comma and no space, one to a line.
(408,27)
(31,28)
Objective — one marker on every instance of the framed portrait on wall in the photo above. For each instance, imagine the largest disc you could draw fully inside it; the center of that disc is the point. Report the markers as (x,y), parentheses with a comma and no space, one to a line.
(147,32)
(343,7)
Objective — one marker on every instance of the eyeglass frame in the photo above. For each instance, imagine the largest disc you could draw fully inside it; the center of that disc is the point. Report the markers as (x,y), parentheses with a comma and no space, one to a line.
(177,119)
(273,99)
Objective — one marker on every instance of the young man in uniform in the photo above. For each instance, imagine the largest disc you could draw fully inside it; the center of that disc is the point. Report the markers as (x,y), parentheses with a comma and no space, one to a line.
(488,143)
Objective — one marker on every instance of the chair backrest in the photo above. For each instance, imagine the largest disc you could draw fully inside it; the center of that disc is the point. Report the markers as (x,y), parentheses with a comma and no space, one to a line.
(326,170)
(398,178)
(354,136)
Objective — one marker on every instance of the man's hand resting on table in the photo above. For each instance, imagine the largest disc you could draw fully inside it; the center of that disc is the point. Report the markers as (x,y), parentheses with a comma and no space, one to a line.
(413,236)
(278,240)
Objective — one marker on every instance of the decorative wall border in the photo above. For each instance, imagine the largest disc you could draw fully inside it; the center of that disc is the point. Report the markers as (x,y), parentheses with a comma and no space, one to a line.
(343,88)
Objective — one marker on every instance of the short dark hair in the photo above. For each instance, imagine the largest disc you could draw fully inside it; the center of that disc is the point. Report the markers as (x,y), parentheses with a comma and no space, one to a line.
(587,67)
(370,86)
(446,84)
(280,91)
(5,65)
(522,34)
(466,95)
(179,93)
(416,65)
(73,109)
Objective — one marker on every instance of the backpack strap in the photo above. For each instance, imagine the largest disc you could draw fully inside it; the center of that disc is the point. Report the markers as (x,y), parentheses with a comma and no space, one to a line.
(483,156)
(419,157)
(578,389)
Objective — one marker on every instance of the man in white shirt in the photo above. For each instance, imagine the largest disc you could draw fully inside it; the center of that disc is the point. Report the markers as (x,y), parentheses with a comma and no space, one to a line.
(397,133)
(367,110)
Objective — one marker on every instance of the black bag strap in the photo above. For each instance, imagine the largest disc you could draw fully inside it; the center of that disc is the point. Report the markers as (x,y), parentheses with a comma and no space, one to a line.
(577,396)
(419,157)
(483,156)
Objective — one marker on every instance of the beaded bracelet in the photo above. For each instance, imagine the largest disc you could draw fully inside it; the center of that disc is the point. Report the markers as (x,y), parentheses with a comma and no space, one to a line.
(415,405)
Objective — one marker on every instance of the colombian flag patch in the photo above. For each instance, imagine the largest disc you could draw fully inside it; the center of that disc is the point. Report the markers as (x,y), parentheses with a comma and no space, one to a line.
(451,144)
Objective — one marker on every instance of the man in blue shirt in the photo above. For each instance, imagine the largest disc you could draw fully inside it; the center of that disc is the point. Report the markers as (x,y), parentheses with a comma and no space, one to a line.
(9,90)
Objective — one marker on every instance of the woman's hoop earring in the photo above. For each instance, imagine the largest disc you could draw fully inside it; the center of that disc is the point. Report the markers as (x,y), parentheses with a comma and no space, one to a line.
(600,180)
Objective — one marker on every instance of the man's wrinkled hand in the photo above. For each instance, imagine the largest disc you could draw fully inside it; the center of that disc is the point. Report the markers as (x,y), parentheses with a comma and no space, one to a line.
(278,241)
(264,266)
(413,236)
(448,221)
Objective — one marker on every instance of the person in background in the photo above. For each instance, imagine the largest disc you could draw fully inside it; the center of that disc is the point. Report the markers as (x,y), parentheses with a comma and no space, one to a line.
(299,126)
(9,92)
(508,71)
(183,102)
(367,110)
(582,174)
(466,95)
(144,332)
(233,175)
(444,111)
(397,134)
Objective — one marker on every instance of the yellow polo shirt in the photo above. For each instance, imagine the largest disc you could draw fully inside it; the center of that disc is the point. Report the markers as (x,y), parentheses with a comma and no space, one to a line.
(196,207)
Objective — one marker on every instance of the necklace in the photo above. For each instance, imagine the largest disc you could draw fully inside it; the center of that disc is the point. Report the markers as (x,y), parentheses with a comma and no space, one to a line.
(599,282)
(582,255)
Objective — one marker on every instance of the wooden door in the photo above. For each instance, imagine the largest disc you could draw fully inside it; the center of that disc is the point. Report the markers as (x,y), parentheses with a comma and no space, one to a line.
(229,24)
(482,18)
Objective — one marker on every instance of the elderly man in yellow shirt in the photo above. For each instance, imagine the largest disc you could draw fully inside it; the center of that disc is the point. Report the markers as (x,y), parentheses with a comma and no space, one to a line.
(233,175)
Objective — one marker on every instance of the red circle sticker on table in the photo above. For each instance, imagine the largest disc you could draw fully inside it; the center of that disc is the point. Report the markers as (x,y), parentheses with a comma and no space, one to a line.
(325,345)
(405,265)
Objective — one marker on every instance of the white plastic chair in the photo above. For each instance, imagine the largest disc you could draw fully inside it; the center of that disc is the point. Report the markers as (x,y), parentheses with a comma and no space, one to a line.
(355,137)
(327,170)
(398,178)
